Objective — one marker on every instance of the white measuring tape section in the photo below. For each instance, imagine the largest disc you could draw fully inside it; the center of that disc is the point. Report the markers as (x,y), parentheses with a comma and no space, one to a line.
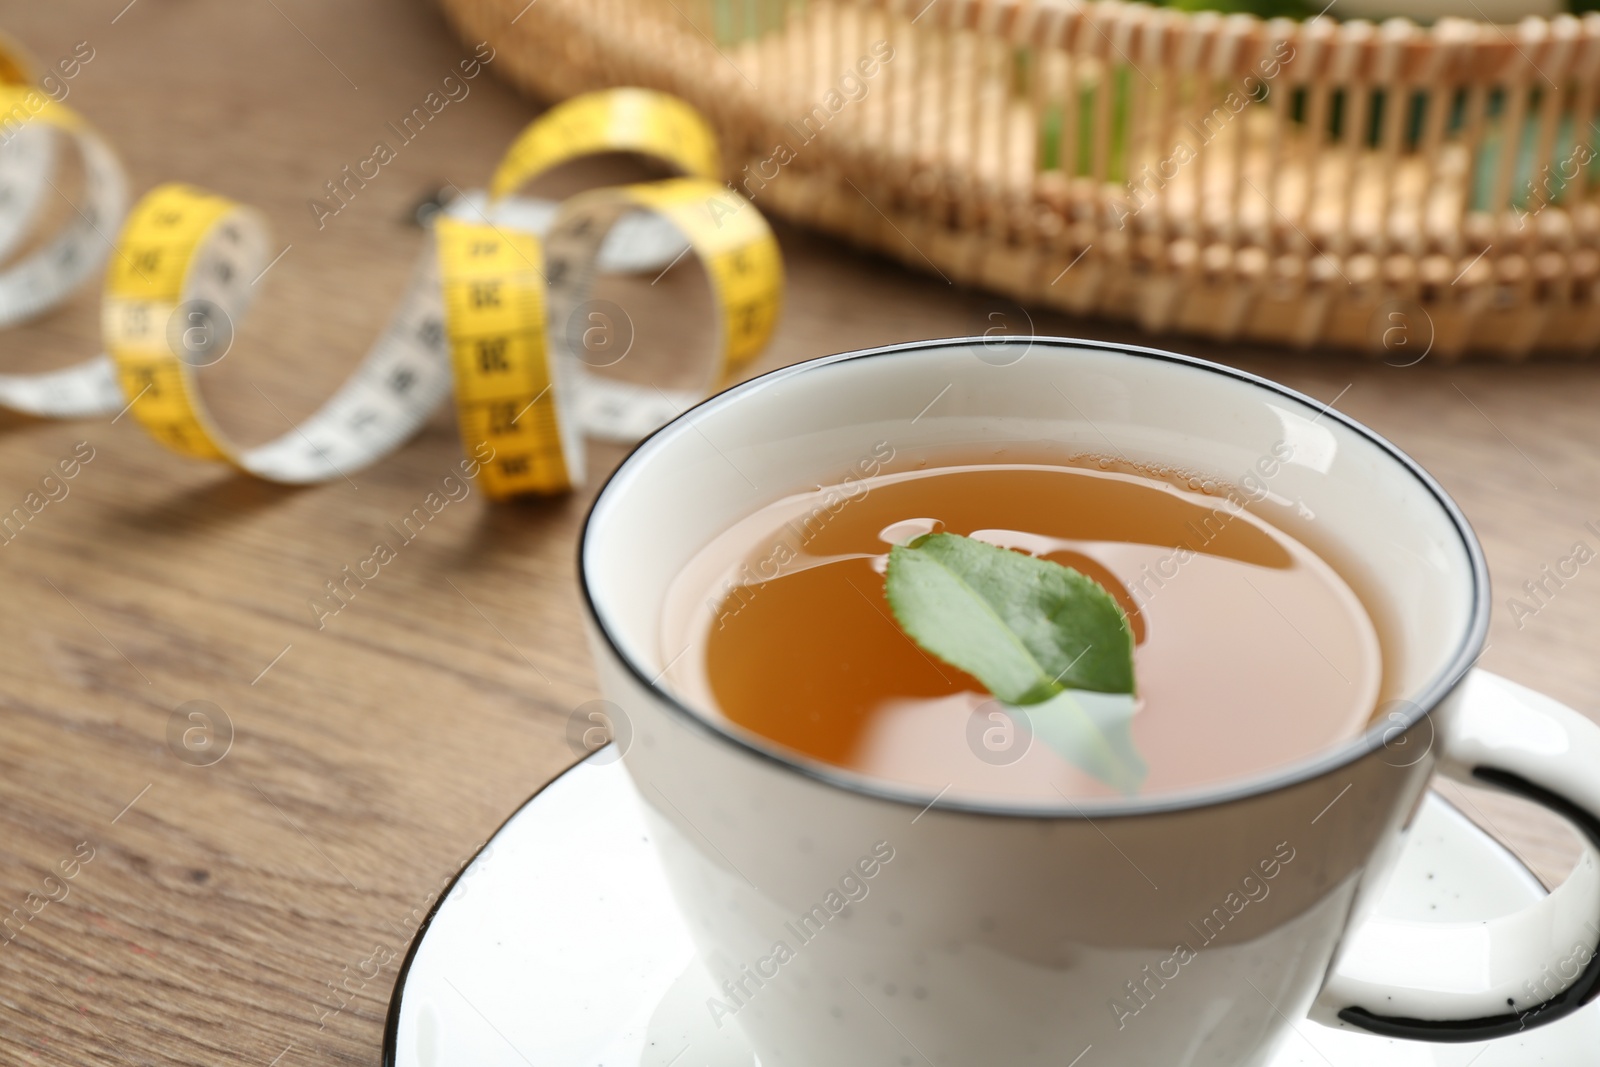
(33,129)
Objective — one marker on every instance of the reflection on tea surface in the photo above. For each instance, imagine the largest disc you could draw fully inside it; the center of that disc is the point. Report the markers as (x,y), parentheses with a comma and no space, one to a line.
(1251,651)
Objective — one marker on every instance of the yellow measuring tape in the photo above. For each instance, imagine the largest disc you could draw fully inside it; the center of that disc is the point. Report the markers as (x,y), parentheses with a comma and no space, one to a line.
(487,310)
(495,303)
(492,310)
(182,276)
(514,315)
(617,120)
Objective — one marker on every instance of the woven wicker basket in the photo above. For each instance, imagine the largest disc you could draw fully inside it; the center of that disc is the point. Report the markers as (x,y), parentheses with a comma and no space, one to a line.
(1310,183)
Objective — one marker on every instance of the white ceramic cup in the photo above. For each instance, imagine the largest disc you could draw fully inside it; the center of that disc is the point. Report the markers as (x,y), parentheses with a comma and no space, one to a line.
(849,921)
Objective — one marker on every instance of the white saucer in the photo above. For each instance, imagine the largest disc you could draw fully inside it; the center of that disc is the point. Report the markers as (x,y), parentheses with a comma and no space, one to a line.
(560,946)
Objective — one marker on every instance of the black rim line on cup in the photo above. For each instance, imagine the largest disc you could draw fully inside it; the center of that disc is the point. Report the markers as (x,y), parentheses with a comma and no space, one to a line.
(1371,740)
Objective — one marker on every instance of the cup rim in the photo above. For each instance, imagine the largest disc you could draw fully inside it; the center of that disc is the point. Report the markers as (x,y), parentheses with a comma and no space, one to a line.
(1373,738)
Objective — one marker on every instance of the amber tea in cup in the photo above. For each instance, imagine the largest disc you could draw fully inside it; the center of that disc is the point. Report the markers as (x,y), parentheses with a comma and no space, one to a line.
(1250,653)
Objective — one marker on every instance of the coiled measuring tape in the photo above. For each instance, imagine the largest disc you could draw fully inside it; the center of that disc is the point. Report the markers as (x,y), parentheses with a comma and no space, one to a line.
(523,388)
(183,274)
(32,126)
(479,312)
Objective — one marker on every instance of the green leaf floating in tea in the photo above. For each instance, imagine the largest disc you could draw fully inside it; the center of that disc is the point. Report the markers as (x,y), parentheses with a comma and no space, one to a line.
(1049,642)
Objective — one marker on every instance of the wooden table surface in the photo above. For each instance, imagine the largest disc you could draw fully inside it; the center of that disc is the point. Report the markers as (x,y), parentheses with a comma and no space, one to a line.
(224,904)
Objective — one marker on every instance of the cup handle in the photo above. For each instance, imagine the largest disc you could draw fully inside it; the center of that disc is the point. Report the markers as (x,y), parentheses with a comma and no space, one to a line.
(1448,982)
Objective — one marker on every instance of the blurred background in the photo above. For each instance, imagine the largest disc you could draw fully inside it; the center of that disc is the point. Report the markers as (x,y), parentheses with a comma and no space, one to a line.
(250,903)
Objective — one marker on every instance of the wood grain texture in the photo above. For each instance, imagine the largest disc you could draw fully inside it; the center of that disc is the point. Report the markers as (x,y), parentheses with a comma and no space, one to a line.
(225,904)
